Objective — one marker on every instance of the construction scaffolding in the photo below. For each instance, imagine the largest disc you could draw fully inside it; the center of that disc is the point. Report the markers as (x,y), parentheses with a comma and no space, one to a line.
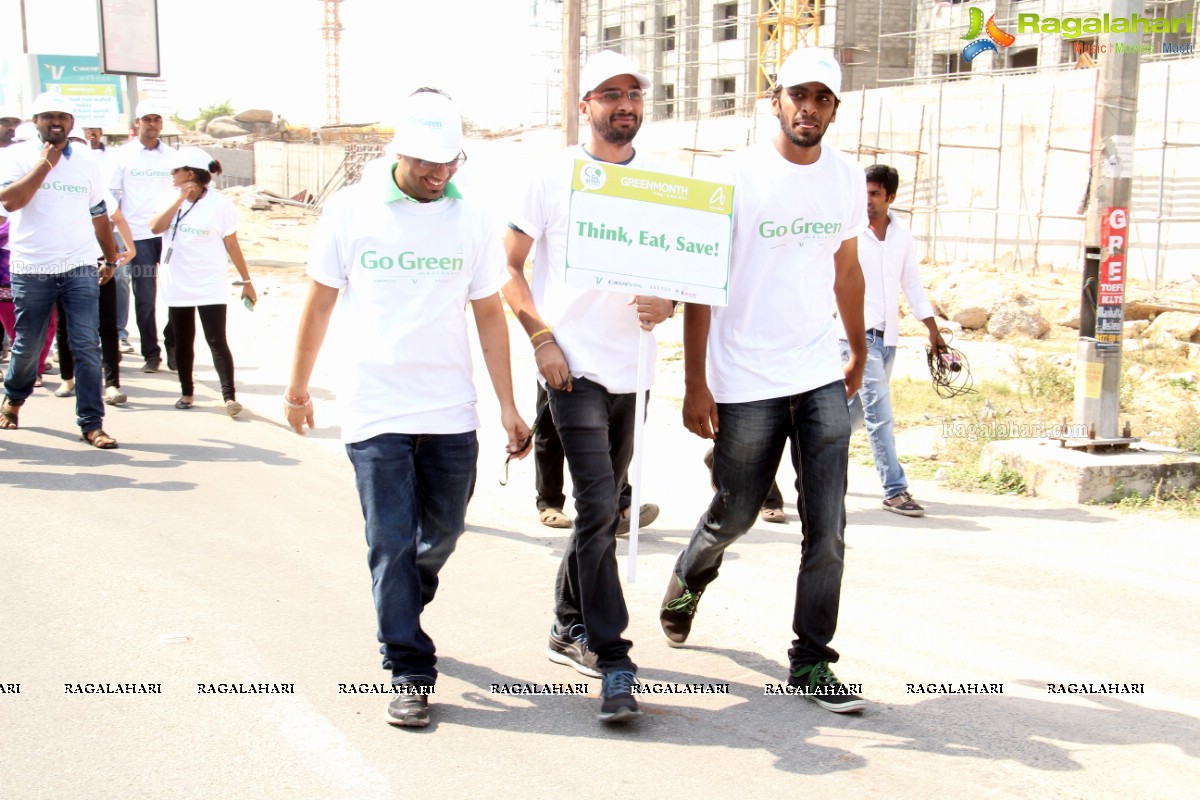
(983,183)
(705,60)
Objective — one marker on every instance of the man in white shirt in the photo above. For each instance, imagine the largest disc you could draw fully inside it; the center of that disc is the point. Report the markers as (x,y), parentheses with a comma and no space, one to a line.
(55,200)
(410,254)
(586,344)
(764,370)
(141,175)
(889,264)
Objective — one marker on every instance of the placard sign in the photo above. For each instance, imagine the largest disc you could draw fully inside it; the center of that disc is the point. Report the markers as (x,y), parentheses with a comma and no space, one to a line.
(641,232)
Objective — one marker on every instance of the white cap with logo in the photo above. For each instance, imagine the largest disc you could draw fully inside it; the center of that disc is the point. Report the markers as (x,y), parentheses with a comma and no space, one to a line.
(151,106)
(429,127)
(609,64)
(190,158)
(812,64)
(49,102)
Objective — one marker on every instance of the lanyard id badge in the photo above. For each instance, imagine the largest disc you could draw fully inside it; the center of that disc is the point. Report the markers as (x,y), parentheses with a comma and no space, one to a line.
(180,216)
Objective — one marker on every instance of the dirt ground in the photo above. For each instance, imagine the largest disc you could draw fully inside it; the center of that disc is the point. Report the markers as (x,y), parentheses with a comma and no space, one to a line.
(1163,387)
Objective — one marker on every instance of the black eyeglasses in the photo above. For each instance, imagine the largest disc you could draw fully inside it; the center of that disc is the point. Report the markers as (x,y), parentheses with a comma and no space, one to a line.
(455,164)
(614,96)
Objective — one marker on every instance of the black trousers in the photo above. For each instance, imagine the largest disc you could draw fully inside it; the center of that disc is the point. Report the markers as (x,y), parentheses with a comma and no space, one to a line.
(212,319)
(110,349)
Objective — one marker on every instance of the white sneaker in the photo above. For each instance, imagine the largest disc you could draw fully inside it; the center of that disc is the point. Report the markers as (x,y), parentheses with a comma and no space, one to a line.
(125,346)
(114,396)
(233,408)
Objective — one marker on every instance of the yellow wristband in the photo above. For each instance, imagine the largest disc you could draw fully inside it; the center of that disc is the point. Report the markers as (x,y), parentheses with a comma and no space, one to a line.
(542,332)
(48,164)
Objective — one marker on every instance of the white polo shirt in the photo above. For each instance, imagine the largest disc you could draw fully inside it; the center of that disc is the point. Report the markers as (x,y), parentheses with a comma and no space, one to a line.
(408,270)
(777,337)
(139,179)
(598,331)
(53,233)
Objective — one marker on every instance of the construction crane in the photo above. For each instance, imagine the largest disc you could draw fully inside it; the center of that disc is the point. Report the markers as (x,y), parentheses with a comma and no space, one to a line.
(331,30)
(783,27)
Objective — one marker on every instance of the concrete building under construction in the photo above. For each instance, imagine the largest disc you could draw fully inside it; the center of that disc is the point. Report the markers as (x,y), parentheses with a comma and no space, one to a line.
(716,58)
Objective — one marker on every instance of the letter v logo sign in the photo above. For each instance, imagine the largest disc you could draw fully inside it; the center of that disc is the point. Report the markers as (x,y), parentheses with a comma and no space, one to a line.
(599,278)
(56,72)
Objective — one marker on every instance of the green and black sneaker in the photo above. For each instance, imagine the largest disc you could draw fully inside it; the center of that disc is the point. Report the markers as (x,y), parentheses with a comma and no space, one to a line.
(818,683)
(678,607)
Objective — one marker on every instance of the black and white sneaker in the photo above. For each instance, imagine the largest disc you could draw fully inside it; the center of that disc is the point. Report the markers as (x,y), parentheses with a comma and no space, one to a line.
(617,701)
(410,707)
(818,683)
(570,648)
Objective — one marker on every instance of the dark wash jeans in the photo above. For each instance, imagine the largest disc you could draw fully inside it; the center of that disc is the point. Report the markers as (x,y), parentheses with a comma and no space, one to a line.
(596,430)
(746,457)
(414,490)
(144,272)
(548,461)
(34,297)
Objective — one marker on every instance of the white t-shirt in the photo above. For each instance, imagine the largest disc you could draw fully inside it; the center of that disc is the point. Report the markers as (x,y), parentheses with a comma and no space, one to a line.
(139,179)
(777,337)
(53,233)
(194,260)
(597,331)
(409,270)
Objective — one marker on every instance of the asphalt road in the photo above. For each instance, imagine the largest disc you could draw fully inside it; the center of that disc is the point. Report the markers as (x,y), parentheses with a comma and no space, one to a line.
(211,550)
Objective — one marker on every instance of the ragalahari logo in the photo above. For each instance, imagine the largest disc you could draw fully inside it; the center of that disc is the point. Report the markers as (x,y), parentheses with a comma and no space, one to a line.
(978,43)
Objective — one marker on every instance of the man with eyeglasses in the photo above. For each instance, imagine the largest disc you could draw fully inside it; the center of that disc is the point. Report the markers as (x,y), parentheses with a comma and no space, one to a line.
(585,343)
(410,253)
(766,370)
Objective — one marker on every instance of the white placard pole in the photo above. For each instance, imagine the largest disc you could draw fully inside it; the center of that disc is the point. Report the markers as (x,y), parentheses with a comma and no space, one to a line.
(635,465)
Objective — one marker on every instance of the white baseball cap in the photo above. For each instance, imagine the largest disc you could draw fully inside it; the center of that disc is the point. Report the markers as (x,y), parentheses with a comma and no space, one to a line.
(429,127)
(151,106)
(10,113)
(77,133)
(48,102)
(812,64)
(609,64)
(190,158)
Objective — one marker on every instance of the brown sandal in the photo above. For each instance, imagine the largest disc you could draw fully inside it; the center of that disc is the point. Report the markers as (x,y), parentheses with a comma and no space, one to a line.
(99,439)
(8,416)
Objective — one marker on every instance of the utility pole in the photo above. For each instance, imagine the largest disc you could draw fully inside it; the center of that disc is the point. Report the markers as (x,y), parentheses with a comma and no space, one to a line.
(570,81)
(1102,313)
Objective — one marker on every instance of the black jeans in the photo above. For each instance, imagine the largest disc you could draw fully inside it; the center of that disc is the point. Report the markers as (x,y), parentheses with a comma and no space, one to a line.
(110,349)
(548,462)
(143,272)
(212,319)
(596,430)
(745,460)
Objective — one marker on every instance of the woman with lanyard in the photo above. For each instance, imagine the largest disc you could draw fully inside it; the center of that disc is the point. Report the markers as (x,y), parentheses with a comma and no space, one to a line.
(199,228)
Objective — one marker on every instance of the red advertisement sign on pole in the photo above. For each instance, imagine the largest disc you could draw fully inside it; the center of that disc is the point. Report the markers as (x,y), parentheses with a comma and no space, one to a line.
(1110,299)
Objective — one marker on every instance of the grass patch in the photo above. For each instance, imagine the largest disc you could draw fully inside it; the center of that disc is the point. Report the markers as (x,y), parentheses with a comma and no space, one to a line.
(1176,501)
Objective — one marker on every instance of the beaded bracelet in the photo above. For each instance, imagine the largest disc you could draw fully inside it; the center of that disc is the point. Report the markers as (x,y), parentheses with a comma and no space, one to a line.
(287,401)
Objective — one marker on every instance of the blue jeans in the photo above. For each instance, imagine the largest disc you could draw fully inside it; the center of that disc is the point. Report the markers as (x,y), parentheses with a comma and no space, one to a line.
(122,280)
(872,406)
(596,430)
(745,459)
(34,297)
(144,271)
(414,490)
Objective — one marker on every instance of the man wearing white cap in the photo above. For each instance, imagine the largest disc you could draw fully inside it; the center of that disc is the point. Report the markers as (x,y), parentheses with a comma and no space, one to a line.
(766,369)
(141,175)
(410,253)
(586,343)
(9,120)
(55,200)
